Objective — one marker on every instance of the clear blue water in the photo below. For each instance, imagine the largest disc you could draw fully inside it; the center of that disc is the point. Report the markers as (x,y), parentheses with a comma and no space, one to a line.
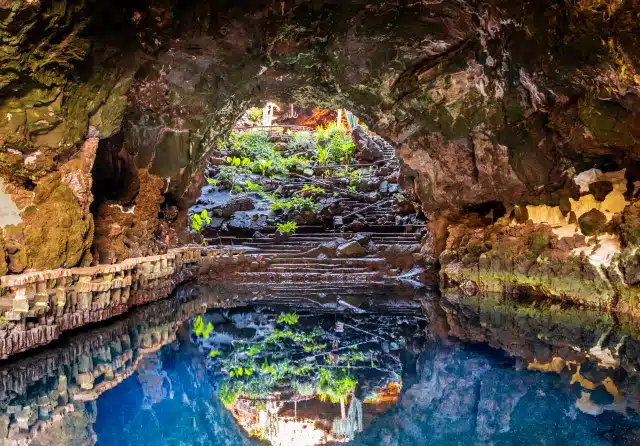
(452,394)
(169,374)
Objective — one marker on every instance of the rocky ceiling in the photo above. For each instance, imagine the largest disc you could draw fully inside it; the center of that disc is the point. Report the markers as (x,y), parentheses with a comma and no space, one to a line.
(487,101)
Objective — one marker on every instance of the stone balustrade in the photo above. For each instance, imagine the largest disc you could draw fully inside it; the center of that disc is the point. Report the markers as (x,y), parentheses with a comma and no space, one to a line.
(36,307)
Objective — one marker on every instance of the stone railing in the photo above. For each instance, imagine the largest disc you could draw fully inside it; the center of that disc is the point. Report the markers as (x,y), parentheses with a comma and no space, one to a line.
(36,307)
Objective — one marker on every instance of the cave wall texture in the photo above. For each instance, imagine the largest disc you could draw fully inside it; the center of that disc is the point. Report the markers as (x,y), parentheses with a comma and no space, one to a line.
(495,106)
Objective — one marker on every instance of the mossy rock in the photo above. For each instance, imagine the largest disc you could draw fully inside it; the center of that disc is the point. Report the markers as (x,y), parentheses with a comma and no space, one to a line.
(592,222)
(56,231)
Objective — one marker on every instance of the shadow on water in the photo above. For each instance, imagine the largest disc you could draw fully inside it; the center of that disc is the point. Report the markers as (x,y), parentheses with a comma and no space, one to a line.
(221,365)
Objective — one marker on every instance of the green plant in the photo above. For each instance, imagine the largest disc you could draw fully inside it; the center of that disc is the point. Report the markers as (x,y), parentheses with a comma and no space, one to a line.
(253,144)
(214,183)
(236,162)
(227,393)
(237,189)
(300,140)
(201,329)
(296,163)
(352,189)
(313,189)
(334,387)
(336,141)
(253,187)
(255,114)
(214,353)
(269,196)
(288,318)
(198,221)
(255,349)
(294,205)
(263,165)
(289,227)
(322,155)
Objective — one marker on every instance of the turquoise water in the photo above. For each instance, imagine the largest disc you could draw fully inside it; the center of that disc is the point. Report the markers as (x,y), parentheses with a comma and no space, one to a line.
(453,373)
(452,393)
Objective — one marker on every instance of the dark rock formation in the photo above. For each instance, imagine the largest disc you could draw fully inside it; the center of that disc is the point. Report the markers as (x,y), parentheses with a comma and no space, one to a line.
(500,103)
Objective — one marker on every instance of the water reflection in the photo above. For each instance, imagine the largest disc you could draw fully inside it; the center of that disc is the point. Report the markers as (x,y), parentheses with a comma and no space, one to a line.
(304,379)
(461,371)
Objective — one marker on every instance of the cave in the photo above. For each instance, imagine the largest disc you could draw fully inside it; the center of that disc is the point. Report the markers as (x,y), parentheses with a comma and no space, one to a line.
(436,175)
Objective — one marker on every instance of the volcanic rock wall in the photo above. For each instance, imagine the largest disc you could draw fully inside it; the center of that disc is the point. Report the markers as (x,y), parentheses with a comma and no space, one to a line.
(491,104)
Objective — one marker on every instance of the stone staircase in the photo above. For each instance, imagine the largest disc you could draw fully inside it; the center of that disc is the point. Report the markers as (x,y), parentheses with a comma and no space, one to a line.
(300,261)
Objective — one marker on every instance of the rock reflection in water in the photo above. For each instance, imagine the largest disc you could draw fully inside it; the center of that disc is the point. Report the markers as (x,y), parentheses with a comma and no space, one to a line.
(305,379)
(465,371)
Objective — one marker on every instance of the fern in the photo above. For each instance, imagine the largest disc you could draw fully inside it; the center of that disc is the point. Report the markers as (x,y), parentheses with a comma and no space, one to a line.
(289,227)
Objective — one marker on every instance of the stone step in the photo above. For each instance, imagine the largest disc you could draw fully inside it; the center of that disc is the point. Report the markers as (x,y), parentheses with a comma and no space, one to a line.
(315,269)
(359,261)
(320,277)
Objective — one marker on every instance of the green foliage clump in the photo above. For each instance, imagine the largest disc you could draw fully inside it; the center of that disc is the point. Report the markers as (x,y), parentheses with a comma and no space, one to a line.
(288,318)
(255,114)
(227,393)
(199,221)
(301,140)
(252,144)
(253,187)
(289,227)
(294,205)
(333,143)
(296,163)
(335,386)
(313,189)
(201,329)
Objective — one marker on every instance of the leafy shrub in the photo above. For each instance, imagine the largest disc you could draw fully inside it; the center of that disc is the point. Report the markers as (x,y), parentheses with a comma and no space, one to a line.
(293,205)
(227,393)
(338,143)
(288,227)
(253,187)
(301,140)
(296,163)
(255,114)
(335,388)
(322,155)
(253,144)
(288,318)
(313,189)
(199,221)
(236,162)
(201,329)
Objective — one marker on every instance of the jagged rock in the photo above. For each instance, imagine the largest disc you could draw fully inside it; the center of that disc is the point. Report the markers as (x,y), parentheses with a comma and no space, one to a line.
(368,148)
(592,222)
(600,189)
(351,249)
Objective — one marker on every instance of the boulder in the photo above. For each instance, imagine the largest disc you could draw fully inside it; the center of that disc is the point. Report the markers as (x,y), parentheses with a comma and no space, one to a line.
(368,148)
(592,222)
(351,249)
(600,189)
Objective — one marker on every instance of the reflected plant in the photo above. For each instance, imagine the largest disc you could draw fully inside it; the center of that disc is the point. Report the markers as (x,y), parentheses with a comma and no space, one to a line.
(288,318)
(201,329)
